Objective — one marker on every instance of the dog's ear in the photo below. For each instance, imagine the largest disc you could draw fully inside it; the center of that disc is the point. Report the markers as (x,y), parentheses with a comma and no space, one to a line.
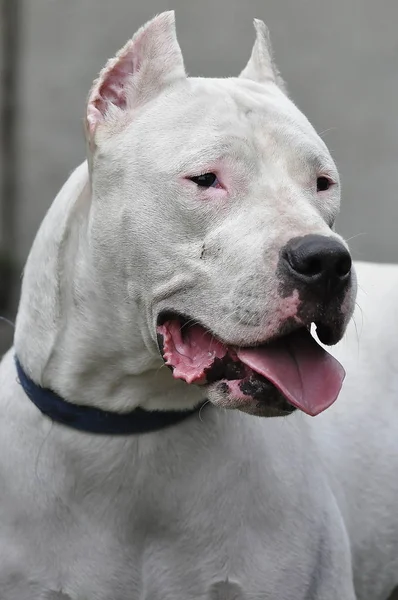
(146,65)
(261,66)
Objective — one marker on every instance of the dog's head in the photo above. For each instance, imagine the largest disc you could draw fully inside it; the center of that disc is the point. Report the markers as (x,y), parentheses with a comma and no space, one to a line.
(214,202)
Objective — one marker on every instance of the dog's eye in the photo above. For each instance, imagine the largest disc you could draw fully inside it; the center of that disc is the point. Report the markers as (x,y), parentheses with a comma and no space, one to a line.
(323,184)
(206,180)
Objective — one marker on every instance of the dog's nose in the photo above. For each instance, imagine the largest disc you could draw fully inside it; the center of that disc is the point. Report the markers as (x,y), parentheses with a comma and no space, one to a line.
(318,261)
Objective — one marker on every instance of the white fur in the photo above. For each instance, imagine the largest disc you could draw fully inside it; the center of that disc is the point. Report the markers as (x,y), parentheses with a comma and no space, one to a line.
(358,436)
(225,505)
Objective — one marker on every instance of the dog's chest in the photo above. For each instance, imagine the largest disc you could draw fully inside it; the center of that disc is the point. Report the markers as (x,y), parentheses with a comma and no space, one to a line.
(157,574)
(199,518)
(153,561)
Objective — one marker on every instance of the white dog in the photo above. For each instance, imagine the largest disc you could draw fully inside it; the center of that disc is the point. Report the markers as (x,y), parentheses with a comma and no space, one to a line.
(199,234)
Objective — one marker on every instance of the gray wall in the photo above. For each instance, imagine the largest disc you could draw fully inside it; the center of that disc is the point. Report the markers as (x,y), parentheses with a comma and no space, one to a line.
(339,58)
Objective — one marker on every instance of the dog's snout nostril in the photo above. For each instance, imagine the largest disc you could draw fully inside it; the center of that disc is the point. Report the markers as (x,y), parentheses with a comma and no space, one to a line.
(343,266)
(310,267)
(316,259)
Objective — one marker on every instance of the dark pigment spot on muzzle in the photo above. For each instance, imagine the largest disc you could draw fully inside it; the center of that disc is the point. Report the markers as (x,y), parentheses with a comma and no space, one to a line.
(263,391)
(320,303)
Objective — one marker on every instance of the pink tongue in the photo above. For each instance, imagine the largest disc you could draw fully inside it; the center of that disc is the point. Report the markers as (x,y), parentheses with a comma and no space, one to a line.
(301,369)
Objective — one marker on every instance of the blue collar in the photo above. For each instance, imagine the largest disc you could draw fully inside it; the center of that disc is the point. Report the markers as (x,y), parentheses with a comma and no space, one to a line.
(95,420)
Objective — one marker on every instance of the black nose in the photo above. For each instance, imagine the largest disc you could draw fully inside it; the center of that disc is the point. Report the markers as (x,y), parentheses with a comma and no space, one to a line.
(318,261)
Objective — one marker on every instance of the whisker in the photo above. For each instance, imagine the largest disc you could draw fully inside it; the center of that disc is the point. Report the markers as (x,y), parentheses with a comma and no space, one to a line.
(355,236)
(201,408)
(322,133)
(7,321)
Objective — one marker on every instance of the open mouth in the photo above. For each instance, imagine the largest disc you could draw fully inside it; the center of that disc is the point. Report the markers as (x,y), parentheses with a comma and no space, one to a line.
(294,366)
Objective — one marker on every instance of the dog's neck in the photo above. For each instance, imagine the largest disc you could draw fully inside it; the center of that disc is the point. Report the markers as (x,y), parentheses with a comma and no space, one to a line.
(65,331)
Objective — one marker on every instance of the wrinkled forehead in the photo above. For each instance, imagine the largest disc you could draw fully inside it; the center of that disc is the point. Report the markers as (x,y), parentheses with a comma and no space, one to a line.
(208,120)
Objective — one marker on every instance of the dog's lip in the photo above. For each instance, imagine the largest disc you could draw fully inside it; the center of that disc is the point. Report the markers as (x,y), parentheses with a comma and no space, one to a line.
(325,332)
(168,315)
(185,321)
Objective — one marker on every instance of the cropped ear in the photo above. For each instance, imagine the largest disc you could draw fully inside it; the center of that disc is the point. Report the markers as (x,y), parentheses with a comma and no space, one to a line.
(146,65)
(261,66)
